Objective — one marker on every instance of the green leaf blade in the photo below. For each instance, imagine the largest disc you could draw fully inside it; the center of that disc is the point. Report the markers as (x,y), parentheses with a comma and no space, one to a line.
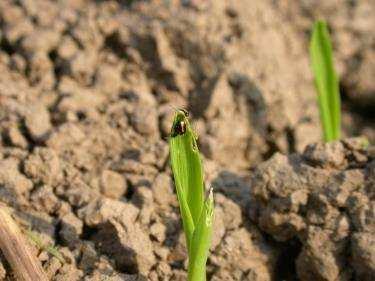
(187,169)
(179,171)
(326,81)
(196,213)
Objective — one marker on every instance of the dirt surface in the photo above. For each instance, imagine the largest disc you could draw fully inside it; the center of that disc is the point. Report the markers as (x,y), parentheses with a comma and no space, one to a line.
(322,204)
(87,94)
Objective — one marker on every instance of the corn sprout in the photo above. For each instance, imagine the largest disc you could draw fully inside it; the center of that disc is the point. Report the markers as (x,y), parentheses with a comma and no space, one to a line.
(196,211)
(326,81)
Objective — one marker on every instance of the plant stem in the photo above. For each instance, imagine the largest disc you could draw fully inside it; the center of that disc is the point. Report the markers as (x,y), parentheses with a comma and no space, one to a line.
(200,244)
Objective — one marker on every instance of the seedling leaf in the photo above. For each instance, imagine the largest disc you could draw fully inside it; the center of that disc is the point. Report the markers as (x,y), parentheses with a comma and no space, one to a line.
(326,81)
(187,170)
(196,213)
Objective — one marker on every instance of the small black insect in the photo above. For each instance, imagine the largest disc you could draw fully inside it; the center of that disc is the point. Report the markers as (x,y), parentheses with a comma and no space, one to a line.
(179,129)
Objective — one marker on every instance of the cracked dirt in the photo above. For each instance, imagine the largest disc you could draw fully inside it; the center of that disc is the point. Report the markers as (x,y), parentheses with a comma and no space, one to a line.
(87,94)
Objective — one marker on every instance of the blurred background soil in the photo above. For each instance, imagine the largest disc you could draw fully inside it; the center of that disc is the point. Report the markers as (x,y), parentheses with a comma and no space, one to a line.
(87,94)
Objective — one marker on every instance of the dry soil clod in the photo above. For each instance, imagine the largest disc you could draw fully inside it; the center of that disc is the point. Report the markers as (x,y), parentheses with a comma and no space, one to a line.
(17,252)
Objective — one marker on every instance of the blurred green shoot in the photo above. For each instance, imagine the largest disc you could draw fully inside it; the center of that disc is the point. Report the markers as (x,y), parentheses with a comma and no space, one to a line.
(326,81)
(196,211)
(35,238)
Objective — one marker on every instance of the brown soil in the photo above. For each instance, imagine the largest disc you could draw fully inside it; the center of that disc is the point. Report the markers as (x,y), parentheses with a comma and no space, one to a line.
(87,94)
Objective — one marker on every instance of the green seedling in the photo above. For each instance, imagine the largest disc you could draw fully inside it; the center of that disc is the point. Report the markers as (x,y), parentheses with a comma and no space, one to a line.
(52,250)
(196,211)
(326,81)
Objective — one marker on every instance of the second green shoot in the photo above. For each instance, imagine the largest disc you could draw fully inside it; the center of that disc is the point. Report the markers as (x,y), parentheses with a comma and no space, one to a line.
(326,81)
